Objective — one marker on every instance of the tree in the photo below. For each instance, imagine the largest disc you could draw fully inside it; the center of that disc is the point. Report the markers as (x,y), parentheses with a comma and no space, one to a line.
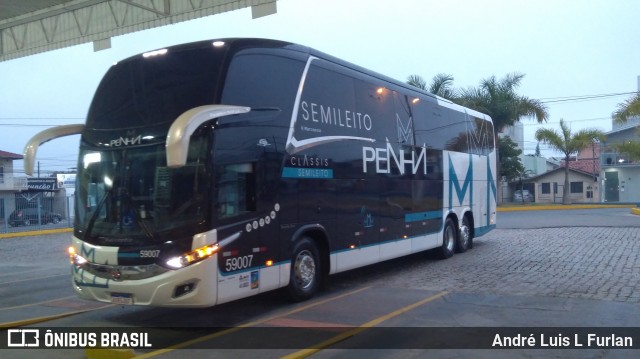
(498,99)
(441,85)
(510,164)
(568,144)
(631,148)
(538,150)
(627,109)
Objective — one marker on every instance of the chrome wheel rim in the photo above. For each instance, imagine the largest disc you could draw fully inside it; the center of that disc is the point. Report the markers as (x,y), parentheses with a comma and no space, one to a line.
(449,237)
(464,233)
(304,269)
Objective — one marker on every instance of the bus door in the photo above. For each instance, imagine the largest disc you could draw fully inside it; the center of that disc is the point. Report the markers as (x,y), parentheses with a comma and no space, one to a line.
(246,211)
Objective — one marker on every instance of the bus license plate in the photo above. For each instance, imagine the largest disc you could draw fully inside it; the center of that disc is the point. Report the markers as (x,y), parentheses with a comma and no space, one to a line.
(122,298)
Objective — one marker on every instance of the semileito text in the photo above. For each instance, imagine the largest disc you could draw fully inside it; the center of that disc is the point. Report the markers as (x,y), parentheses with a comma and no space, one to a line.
(334,116)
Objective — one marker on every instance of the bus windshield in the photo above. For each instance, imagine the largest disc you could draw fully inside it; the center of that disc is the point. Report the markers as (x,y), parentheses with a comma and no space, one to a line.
(131,193)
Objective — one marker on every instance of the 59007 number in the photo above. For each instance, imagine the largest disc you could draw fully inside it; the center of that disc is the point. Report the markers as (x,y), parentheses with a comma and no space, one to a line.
(238,263)
(149,253)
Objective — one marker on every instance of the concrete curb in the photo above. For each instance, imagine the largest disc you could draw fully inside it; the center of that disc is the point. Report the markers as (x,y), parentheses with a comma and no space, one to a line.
(35,233)
(563,207)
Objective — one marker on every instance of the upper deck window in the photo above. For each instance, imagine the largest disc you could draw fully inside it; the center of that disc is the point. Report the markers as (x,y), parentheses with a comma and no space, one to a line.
(144,91)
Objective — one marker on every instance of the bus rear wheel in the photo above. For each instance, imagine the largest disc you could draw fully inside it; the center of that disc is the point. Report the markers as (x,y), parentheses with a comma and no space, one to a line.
(465,238)
(305,270)
(449,239)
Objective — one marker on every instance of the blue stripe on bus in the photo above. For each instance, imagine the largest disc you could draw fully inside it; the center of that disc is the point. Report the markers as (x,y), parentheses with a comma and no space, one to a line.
(421,216)
(480,231)
(302,172)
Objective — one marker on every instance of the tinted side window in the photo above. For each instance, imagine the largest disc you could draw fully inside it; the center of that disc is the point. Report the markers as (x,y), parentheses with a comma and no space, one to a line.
(480,136)
(444,128)
(433,128)
(458,134)
(263,81)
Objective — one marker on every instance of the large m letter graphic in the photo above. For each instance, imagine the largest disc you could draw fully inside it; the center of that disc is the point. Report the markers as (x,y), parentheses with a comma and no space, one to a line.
(454,183)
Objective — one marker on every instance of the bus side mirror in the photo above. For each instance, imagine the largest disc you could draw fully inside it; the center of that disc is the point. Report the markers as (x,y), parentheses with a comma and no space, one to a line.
(47,135)
(182,128)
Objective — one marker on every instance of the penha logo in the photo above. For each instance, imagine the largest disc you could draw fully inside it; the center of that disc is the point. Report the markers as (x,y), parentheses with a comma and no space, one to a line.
(126,141)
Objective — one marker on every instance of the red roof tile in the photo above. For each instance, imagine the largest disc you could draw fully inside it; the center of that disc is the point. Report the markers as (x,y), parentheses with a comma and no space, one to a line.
(589,166)
(10,155)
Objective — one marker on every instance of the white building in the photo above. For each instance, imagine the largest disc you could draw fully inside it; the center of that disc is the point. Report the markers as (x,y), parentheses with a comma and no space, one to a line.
(620,175)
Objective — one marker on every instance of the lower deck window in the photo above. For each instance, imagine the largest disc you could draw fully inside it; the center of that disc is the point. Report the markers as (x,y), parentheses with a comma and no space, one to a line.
(236,190)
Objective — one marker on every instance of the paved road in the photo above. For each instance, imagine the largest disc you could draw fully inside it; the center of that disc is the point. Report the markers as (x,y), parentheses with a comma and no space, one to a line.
(586,274)
(597,217)
(583,262)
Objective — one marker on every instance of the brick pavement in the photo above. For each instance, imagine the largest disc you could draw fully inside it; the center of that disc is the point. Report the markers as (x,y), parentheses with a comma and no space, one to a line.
(588,263)
(579,262)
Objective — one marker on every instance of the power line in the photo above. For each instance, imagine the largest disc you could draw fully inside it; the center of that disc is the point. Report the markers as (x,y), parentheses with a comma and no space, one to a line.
(568,121)
(584,97)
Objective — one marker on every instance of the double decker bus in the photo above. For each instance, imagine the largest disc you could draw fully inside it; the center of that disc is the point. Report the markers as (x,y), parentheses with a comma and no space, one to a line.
(217,170)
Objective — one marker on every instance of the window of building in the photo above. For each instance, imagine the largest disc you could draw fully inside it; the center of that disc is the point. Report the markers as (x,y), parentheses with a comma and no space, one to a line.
(546,188)
(1,174)
(576,187)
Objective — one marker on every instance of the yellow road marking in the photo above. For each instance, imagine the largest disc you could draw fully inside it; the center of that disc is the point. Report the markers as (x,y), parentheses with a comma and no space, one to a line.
(35,278)
(246,325)
(39,303)
(21,323)
(350,333)
(35,233)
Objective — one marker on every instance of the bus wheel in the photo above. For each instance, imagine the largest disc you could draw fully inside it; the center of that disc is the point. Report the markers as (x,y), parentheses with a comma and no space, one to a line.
(305,270)
(449,239)
(465,240)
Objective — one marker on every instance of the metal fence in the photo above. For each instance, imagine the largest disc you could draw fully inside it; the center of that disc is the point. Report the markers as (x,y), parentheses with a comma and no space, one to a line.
(30,212)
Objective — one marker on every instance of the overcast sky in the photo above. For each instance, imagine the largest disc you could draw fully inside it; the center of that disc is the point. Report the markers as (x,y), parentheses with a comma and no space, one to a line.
(566,48)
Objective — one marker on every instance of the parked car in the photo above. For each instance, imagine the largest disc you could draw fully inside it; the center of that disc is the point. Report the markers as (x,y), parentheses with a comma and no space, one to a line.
(29,216)
(522,196)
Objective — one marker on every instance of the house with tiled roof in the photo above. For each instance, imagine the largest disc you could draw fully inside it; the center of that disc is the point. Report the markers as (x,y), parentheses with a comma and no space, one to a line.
(588,160)
(549,186)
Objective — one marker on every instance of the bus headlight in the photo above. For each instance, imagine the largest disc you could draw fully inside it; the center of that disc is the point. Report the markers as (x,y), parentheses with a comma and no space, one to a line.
(75,258)
(194,256)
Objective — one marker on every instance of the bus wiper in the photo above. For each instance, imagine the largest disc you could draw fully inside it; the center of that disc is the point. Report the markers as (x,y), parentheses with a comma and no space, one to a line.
(95,214)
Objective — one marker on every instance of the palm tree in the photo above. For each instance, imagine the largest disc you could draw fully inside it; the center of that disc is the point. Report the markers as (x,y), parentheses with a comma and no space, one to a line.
(498,99)
(627,109)
(441,85)
(568,144)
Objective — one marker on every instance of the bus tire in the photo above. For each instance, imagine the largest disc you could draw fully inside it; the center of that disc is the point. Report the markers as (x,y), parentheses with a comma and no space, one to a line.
(305,270)
(449,239)
(465,239)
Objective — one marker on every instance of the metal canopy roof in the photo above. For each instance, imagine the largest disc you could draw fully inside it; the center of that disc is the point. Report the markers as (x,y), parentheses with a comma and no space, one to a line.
(31,26)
